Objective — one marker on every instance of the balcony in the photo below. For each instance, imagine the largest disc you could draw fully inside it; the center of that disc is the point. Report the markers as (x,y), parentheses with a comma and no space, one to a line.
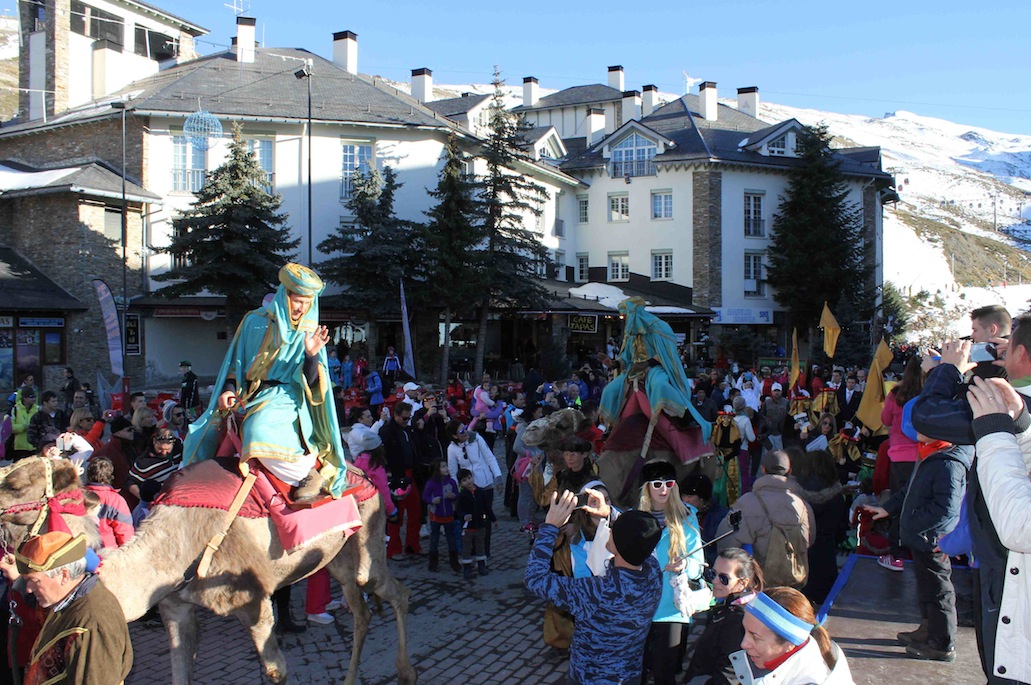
(637,167)
(755,228)
(187,180)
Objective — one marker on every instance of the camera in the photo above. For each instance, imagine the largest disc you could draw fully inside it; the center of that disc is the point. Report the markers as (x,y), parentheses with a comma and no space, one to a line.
(983,352)
(582,500)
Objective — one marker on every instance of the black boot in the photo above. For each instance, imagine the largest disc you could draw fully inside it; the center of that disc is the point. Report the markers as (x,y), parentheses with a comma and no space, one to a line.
(453,559)
(285,622)
(467,571)
(434,563)
(481,567)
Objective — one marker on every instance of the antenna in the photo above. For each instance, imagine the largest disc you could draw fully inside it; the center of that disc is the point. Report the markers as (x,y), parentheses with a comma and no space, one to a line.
(239,6)
(689,82)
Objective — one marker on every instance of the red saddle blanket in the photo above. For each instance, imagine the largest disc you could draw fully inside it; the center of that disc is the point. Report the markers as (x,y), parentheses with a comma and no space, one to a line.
(213,484)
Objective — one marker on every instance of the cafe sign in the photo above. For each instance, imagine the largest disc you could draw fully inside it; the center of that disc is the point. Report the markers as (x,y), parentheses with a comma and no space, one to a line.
(583,323)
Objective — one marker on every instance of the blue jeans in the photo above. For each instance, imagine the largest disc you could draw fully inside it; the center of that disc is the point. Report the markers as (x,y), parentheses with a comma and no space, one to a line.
(452,535)
(526,506)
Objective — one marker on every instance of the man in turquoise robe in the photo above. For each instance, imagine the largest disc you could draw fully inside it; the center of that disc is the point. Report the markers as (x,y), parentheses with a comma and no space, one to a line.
(275,378)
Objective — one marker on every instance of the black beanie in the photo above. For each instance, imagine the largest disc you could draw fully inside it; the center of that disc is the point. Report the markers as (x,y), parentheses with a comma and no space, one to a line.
(635,535)
(658,469)
(697,484)
(120,423)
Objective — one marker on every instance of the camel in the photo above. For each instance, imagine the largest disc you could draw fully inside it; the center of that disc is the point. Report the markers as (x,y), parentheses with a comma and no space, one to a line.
(157,567)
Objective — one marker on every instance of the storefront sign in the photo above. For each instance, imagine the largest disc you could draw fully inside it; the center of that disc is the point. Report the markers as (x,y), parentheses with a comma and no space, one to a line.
(583,323)
(132,335)
(33,322)
(176,313)
(742,315)
(6,322)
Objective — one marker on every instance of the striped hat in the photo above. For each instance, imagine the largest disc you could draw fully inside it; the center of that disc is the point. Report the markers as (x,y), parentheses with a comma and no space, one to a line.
(778,619)
(301,280)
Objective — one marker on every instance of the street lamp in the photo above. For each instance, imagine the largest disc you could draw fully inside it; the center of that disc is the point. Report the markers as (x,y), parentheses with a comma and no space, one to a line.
(121,106)
(305,73)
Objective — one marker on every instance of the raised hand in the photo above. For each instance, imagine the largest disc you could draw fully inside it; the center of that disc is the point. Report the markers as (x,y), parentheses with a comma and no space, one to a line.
(315,341)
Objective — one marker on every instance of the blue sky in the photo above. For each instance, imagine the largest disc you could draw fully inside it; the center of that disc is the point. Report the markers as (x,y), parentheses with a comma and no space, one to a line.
(959,60)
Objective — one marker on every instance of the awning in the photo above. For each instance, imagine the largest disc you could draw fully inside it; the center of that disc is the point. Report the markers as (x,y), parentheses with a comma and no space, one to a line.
(604,298)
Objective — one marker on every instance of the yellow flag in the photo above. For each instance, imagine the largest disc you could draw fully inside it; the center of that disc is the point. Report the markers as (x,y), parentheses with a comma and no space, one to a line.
(794,360)
(870,406)
(831,331)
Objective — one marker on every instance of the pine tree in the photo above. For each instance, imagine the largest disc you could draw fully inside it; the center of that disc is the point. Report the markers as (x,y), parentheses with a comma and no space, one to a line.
(513,255)
(817,251)
(449,268)
(369,257)
(231,241)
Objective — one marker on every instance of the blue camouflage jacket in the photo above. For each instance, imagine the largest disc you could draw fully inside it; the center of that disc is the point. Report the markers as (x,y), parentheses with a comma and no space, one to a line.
(613,613)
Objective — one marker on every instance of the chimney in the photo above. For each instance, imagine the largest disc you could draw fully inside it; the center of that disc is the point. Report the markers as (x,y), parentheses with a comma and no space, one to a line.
(245,39)
(345,51)
(748,101)
(422,85)
(650,100)
(595,125)
(531,91)
(105,67)
(631,105)
(616,78)
(707,95)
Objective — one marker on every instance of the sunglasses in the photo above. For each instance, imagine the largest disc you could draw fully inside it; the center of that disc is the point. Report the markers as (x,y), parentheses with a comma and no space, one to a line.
(658,484)
(85,418)
(710,575)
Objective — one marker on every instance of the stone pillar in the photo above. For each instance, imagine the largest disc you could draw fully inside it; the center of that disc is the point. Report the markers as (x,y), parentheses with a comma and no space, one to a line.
(707,236)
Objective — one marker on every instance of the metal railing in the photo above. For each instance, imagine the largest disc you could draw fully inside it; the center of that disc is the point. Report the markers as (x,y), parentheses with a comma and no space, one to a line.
(635,167)
(187,180)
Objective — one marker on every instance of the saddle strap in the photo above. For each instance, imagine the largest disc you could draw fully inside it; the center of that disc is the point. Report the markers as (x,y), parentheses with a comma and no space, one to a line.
(216,540)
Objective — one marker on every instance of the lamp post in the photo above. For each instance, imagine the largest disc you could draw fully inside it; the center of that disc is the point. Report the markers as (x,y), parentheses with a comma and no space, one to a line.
(305,73)
(121,106)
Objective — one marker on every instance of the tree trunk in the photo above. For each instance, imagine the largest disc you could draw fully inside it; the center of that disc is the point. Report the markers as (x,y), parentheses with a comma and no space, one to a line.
(481,343)
(445,355)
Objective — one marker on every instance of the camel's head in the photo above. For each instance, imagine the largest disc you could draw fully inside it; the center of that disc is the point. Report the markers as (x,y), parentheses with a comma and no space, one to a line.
(25,482)
(549,432)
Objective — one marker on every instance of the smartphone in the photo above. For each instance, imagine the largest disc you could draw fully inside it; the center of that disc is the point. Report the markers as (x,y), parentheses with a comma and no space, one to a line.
(582,499)
(983,352)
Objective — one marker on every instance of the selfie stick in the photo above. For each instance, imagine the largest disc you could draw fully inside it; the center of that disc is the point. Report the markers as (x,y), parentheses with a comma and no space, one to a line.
(735,526)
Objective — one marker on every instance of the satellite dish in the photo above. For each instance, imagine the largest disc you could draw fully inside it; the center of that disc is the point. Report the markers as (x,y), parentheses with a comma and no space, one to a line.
(200,127)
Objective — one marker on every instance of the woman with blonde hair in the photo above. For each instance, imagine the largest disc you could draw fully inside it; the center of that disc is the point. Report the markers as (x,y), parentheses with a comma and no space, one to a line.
(85,424)
(784,645)
(678,553)
(144,425)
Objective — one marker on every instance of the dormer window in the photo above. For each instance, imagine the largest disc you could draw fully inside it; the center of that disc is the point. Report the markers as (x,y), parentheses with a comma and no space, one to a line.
(778,147)
(633,156)
(96,23)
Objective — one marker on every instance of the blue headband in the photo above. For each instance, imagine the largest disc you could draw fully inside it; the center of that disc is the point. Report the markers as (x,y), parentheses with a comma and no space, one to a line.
(778,619)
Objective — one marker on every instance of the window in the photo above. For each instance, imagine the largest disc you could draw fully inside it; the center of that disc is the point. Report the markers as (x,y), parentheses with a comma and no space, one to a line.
(754,226)
(582,207)
(583,264)
(113,224)
(778,147)
(89,21)
(262,149)
(662,204)
(753,274)
(560,265)
(619,207)
(156,46)
(662,266)
(179,261)
(619,266)
(188,166)
(560,228)
(633,156)
(357,159)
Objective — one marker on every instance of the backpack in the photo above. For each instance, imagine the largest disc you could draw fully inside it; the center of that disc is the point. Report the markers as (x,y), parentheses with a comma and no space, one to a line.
(784,565)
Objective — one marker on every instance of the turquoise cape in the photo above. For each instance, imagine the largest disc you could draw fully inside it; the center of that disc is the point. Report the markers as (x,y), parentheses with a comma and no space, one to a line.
(279,421)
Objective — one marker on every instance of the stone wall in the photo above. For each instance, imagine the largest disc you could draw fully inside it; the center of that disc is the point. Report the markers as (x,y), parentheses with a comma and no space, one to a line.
(707,235)
(81,144)
(63,236)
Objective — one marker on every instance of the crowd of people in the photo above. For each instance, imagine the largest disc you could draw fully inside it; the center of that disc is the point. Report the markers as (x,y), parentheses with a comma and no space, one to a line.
(749,538)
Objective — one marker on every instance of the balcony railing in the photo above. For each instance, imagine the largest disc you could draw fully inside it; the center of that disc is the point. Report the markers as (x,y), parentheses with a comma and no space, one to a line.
(636,167)
(755,227)
(187,180)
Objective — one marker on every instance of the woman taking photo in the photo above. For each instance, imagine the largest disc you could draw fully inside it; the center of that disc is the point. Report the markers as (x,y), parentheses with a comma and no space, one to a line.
(783,644)
(678,553)
(736,578)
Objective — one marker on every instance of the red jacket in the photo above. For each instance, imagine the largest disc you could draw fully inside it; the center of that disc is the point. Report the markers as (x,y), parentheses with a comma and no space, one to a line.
(114,518)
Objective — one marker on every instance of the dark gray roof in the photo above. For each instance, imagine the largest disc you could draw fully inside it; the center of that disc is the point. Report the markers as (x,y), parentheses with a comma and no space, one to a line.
(266,88)
(755,137)
(25,288)
(195,29)
(94,179)
(577,95)
(697,139)
(535,133)
(453,107)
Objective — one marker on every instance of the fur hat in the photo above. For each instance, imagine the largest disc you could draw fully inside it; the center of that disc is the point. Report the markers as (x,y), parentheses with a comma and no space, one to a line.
(658,469)
(635,535)
(50,550)
(120,423)
(697,484)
